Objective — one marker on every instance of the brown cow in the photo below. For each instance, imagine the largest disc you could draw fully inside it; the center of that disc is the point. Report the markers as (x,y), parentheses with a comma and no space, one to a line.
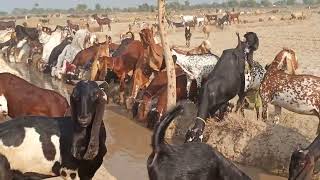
(153,61)
(125,61)
(88,54)
(154,96)
(26,99)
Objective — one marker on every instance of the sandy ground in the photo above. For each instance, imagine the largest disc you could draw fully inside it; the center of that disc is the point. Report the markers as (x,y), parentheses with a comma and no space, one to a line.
(248,141)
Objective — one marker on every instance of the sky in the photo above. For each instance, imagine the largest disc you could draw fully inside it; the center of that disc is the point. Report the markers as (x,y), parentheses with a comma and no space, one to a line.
(8,5)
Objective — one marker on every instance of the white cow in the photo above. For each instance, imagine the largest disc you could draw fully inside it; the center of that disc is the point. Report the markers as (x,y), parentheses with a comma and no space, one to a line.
(70,51)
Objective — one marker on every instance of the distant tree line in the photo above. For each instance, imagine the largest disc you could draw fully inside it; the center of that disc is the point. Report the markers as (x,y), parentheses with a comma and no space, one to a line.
(172,5)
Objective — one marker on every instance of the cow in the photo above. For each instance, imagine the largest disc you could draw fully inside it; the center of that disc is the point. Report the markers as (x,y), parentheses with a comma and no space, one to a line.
(25,99)
(224,82)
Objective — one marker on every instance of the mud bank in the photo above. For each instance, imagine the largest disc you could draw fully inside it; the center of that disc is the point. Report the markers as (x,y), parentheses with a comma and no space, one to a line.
(252,142)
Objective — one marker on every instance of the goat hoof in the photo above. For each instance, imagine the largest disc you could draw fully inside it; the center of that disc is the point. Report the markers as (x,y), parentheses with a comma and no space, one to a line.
(276,120)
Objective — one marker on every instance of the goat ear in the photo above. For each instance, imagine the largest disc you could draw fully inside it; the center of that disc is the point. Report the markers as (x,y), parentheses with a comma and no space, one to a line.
(93,146)
(298,148)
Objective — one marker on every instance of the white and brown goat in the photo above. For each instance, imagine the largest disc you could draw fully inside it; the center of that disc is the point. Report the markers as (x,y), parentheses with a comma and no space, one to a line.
(297,93)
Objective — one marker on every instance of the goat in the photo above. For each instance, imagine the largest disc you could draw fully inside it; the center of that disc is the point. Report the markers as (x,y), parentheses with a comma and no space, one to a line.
(224,82)
(297,93)
(37,147)
(302,161)
(187,161)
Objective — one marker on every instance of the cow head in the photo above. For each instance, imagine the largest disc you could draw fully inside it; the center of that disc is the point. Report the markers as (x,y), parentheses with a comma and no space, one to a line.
(301,165)
(87,108)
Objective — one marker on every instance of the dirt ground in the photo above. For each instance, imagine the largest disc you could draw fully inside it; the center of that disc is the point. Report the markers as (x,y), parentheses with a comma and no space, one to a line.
(248,141)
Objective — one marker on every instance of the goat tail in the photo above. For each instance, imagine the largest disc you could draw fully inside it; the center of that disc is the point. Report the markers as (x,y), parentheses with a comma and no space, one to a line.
(131,33)
(160,130)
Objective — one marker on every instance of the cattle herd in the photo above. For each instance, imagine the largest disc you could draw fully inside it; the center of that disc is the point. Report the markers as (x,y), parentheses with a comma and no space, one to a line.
(49,137)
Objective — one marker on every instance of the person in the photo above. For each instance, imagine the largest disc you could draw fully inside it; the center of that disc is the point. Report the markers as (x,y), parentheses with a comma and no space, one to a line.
(187,34)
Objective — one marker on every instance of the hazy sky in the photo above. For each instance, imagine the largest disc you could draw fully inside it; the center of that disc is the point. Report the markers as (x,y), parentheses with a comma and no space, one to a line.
(8,5)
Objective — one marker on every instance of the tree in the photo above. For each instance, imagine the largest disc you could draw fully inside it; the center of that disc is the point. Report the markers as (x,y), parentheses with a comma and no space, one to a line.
(291,2)
(309,2)
(248,3)
(81,7)
(3,13)
(171,74)
(266,3)
(36,5)
(98,7)
(144,7)
(233,3)
(187,3)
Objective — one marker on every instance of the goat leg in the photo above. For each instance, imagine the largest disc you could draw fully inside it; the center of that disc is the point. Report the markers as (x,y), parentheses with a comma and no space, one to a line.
(277,112)
(264,111)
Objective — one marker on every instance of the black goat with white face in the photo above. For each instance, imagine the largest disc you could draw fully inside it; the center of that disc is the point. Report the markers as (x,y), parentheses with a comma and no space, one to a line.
(71,147)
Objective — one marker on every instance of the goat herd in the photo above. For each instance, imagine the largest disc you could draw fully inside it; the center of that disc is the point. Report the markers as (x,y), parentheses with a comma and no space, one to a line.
(48,137)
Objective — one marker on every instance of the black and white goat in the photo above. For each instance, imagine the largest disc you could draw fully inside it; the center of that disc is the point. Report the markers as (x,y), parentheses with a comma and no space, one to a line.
(187,161)
(73,147)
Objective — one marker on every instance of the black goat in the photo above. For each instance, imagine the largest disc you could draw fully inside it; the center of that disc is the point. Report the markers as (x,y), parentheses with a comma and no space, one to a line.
(303,161)
(224,82)
(188,161)
(73,147)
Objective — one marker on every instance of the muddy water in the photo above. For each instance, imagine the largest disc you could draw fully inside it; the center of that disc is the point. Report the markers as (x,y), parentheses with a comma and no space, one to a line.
(128,142)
